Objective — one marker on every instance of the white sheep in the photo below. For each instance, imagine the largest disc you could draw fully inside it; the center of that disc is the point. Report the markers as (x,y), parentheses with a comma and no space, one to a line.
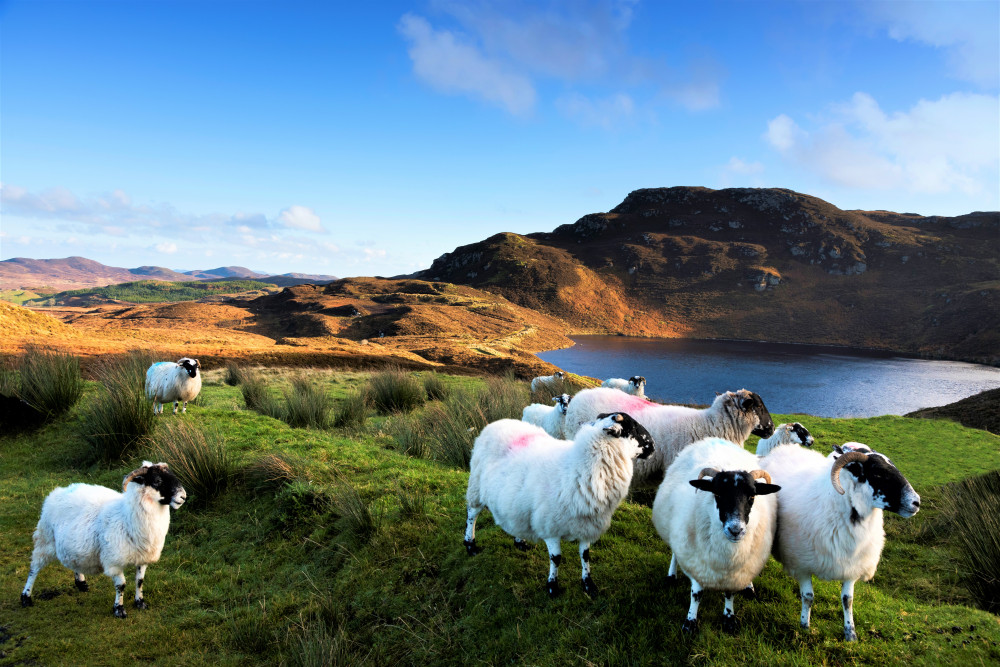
(634,385)
(167,381)
(541,488)
(715,538)
(733,416)
(830,523)
(549,417)
(92,529)
(542,381)
(785,434)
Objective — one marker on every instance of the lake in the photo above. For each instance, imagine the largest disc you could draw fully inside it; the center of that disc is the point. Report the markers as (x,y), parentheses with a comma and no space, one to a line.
(808,379)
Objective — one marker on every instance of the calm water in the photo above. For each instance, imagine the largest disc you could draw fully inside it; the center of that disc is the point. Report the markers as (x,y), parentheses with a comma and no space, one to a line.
(815,380)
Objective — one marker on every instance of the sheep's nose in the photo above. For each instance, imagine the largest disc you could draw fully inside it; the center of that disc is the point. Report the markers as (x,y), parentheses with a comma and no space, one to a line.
(735,533)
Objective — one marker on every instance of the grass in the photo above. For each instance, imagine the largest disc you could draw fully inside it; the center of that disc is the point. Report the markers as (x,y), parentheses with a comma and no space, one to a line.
(198,456)
(49,381)
(395,390)
(306,404)
(352,411)
(341,549)
(120,419)
(973,519)
(153,291)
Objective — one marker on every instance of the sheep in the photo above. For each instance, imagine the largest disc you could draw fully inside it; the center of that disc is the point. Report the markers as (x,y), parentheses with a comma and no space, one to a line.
(549,417)
(733,416)
(167,381)
(92,529)
(634,385)
(726,554)
(834,530)
(543,381)
(785,434)
(540,488)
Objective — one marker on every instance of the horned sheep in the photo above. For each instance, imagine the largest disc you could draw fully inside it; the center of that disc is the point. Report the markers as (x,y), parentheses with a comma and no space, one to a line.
(541,488)
(92,529)
(167,382)
(734,415)
(549,417)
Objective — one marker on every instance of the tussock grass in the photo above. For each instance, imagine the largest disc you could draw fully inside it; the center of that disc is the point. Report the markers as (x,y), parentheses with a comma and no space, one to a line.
(352,411)
(358,518)
(198,456)
(972,508)
(307,404)
(272,471)
(412,503)
(395,390)
(435,386)
(410,434)
(234,374)
(49,381)
(257,397)
(119,419)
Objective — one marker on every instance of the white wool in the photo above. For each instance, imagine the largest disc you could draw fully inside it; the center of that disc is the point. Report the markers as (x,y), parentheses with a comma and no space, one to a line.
(552,418)
(629,387)
(784,434)
(542,381)
(169,382)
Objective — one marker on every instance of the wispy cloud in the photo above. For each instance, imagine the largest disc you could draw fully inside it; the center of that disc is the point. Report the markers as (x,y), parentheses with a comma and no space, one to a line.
(301,217)
(947,145)
(606,113)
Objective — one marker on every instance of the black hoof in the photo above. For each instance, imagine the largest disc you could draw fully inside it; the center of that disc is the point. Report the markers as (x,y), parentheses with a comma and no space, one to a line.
(690,626)
(553,588)
(119,611)
(672,580)
(26,600)
(749,592)
(82,586)
(471,548)
(521,544)
(589,587)
(730,624)
(141,604)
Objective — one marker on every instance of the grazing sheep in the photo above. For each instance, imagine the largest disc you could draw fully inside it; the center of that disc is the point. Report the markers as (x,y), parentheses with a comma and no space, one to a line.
(92,529)
(540,488)
(634,385)
(543,381)
(167,381)
(716,540)
(549,417)
(734,416)
(830,523)
(785,434)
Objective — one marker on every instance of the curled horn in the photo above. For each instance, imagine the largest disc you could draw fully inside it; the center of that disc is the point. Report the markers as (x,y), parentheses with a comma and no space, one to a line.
(708,472)
(761,474)
(842,461)
(134,473)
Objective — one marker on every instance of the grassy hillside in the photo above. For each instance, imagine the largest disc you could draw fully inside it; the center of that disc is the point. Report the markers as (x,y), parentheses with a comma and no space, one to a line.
(356,558)
(19,296)
(151,291)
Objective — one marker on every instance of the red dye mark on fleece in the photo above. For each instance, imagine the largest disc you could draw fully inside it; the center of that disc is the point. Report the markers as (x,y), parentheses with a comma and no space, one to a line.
(636,404)
(523,440)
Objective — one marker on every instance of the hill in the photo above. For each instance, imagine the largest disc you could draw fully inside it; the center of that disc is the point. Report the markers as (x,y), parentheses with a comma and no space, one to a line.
(979,411)
(760,264)
(151,291)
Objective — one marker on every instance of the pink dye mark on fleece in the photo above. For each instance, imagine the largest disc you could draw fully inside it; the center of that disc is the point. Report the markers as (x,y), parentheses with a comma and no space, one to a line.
(523,440)
(636,404)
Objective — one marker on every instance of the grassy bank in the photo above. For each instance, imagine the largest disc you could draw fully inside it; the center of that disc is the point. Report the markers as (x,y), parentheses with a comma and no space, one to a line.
(353,555)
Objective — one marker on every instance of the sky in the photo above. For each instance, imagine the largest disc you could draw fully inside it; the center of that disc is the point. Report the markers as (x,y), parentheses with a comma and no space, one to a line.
(370,138)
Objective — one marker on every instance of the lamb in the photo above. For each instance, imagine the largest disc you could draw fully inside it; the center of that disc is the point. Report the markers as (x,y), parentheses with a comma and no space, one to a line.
(834,530)
(733,416)
(543,381)
(549,417)
(92,529)
(785,434)
(726,554)
(540,488)
(634,385)
(167,381)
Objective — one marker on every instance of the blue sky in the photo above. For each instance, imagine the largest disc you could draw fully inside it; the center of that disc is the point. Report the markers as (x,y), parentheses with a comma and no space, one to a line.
(369,139)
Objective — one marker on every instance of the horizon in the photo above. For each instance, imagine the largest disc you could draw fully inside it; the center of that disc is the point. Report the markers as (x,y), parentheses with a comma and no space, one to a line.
(347,141)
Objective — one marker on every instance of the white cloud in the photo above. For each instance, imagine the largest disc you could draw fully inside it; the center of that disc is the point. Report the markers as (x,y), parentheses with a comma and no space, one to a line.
(166,247)
(940,146)
(607,113)
(301,217)
(451,65)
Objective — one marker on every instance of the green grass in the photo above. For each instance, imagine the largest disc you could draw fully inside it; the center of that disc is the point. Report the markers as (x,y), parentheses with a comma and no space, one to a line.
(153,291)
(120,419)
(19,296)
(329,549)
(49,381)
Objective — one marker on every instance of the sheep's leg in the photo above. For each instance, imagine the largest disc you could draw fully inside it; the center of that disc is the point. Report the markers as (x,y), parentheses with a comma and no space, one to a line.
(750,591)
(691,622)
(140,576)
(672,572)
(806,593)
(184,408)
(81,582)
(118,577)
(589,587)
(175,407)
(555,558)
(521,544)
(729,623)
(847,599)
(40,557)
(470,530)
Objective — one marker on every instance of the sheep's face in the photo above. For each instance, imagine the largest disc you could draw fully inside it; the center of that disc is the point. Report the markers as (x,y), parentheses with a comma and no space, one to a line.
(795,434)
(189,365)
(559,374)
(162,485)
(753,409)
(562,403)
(734,492)
(637,381)
(878,482)
(621,425)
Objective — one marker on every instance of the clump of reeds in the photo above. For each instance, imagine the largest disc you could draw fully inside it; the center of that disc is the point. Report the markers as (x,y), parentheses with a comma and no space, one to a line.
(198,456)
(395,390)
(49,381)
(973,510)
(353,411)
(307,404)
(120,418)
(435,386)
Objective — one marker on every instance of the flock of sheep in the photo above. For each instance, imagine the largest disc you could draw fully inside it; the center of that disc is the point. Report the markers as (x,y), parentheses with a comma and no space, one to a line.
(561,472)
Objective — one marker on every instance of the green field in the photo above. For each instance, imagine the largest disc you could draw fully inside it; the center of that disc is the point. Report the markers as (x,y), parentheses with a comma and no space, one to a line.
(289,574)
(150,291)
(19,296)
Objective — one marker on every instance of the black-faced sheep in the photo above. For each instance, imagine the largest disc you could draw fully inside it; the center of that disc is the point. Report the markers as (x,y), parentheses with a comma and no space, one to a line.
(549,417)
(635,385)
(542,381)
(785,434)
(167,382)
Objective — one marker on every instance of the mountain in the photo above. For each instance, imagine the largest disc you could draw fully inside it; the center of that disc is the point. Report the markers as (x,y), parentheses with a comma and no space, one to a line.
(759,264)
(226,272)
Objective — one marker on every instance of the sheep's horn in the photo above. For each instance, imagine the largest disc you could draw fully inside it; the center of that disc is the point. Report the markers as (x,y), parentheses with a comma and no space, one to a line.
(761,474)
(708,472)
(134,473)
(842,461)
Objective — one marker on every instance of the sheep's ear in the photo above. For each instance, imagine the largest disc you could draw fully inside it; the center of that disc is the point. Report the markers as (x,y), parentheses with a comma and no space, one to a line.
(701,484)
(147,464)
(747,403)
(556,399)
(764,489)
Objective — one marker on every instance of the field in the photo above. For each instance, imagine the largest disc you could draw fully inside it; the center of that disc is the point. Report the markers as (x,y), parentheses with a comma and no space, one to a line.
(350,553)
(148,291)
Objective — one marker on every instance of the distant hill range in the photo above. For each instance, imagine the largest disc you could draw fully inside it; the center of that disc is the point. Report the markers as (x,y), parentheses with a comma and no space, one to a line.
(79,272)
(758,264)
